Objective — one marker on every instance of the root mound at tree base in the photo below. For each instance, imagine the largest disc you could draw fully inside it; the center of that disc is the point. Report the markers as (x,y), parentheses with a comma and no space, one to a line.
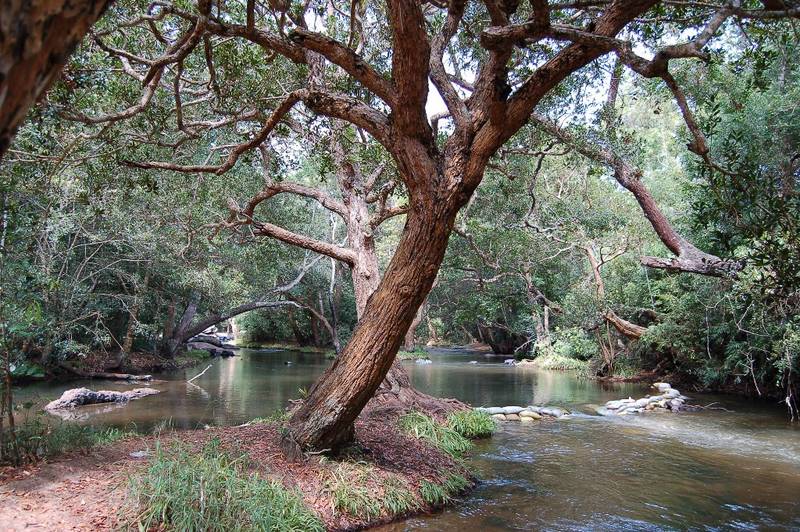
(382,459)
(396,397)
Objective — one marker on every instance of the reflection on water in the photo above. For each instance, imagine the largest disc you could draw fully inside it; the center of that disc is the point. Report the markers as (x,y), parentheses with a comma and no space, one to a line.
(710,470)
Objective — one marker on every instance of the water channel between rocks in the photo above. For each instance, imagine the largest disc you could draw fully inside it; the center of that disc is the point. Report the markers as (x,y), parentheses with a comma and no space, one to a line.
(710,470)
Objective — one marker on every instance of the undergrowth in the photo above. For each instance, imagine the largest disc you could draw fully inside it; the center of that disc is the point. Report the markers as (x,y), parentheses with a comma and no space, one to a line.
(347,486)
(212,491)
(38,438)
(437,494)
(440,436)
(556,361)
(471,424)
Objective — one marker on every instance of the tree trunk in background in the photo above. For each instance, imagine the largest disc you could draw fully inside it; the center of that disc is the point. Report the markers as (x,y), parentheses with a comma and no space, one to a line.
(133,319)
(36,38)
(169,320)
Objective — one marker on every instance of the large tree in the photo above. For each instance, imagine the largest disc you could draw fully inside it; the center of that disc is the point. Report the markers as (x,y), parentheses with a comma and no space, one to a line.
(493,64)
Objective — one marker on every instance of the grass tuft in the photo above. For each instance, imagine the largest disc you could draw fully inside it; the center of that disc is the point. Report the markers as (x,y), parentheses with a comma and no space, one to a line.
(443,437)
(38,438)
(397,498)
(347,485)
(471,424)
(432,493)
(209,490)
(437,494)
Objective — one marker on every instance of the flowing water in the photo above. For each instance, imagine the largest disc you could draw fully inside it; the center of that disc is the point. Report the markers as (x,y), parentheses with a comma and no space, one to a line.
(710,470)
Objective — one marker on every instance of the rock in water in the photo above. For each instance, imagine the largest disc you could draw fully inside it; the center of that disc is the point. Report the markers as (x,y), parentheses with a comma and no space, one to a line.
(423,361)
(553,411)
(85,396)
(662,386)
(512,410)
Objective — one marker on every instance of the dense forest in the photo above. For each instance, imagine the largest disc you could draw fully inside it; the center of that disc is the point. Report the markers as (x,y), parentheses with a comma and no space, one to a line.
(605,187)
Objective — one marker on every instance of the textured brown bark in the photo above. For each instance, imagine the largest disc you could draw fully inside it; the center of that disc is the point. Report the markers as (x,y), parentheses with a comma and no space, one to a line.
(324,420)
(36,38)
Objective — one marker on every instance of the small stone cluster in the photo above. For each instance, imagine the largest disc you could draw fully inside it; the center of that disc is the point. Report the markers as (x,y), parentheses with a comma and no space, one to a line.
(523,414)
(668,398)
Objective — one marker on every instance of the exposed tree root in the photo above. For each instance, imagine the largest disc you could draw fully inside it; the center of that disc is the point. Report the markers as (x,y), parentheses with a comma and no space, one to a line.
(396,396)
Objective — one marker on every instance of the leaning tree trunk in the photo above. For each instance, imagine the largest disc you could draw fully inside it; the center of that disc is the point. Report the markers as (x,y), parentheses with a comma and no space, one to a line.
(325,419)
(36,38)
(395,393)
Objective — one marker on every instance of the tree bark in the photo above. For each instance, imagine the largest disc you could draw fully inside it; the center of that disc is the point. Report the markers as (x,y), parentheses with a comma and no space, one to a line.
(325,419)
(36,38)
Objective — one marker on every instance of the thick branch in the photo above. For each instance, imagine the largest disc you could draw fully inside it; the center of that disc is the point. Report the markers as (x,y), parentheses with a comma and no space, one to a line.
(629,176)
(347,59)
(410,64)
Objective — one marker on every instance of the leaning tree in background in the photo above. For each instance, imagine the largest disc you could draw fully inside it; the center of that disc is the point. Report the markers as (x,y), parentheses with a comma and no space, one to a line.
(493,64)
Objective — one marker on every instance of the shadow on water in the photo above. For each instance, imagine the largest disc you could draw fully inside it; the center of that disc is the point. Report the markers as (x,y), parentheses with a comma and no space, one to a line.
(710,470)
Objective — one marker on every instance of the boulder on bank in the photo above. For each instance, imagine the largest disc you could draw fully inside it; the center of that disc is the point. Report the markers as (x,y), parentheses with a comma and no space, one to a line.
(84,396)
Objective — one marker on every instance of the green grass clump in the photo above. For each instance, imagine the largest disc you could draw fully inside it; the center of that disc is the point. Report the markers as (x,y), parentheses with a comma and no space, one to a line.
(437,494)
(39,438)
(471,424)
(397,499)
(279,416)
(347,486)
(212,491)
(443,437)
(432,493)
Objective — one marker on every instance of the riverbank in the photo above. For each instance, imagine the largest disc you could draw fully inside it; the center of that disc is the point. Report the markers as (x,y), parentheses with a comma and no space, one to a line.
(390,473)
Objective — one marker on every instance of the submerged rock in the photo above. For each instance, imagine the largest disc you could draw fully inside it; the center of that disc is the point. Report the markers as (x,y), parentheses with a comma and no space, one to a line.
(84,396)
(553,411)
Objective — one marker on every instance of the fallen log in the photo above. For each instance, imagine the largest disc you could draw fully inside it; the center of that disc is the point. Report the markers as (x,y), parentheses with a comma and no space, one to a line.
(84,396)
(103,374)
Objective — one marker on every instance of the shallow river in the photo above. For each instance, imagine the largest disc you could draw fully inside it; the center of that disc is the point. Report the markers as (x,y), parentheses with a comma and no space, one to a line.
(711,470)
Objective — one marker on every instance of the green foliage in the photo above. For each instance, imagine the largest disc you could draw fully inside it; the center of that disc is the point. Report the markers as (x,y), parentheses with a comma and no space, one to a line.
(471,424)
(397,498)
(40,437)
(440,436)
(210,490)
(572,342)
(555,361)
(347,485)
(437,494)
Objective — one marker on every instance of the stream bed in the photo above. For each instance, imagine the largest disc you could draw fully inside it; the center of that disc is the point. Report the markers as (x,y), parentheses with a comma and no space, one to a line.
(708,470)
